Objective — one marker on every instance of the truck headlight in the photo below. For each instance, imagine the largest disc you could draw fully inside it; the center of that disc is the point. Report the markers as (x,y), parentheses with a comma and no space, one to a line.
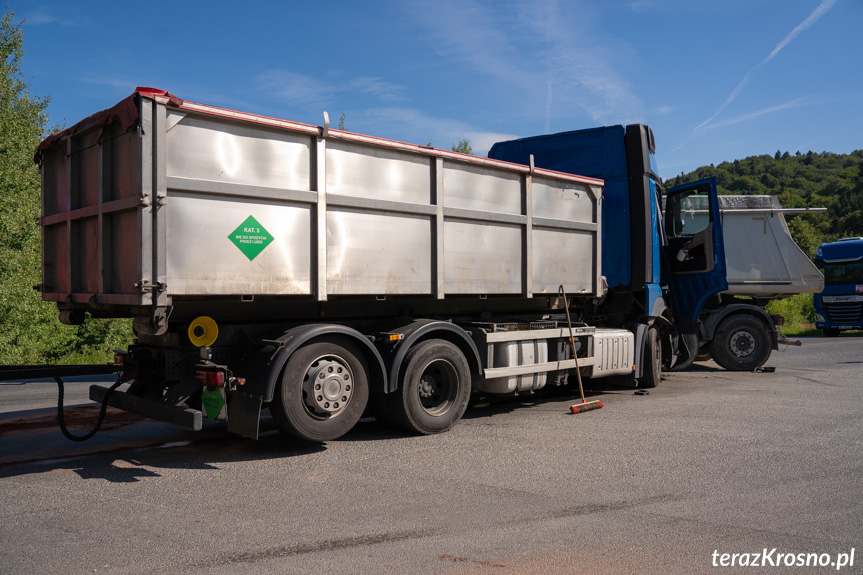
(819,318)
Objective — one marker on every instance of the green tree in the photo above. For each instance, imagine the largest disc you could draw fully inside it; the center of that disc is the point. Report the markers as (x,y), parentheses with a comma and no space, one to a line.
(30,332)
(463,146)
(25,322)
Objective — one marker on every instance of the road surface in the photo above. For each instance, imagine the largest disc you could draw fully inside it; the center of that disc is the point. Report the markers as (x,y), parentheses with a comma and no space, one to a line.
(709,468)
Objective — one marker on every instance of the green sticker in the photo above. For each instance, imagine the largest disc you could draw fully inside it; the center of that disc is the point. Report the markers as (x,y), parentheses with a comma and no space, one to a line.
(213,401)
(251,238)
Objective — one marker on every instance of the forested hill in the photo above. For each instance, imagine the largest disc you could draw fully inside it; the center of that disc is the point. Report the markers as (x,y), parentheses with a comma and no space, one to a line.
(833,181)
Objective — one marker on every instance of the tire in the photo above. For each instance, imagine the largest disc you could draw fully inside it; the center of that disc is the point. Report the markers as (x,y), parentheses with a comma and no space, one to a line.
(741,343)
(434,388)
(688,348)
(831,332)
(323,391)
(652,373)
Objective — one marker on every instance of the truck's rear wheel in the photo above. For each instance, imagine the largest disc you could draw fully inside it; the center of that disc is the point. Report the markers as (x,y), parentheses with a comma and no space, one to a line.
(323,391)
(741,343)
(434,388)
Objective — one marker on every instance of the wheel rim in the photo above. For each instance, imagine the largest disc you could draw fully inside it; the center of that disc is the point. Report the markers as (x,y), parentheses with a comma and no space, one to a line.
(742,343)
(438,387)
(328,386)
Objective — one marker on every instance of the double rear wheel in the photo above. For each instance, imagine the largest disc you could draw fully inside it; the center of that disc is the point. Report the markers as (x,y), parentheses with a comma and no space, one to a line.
(434,389)
(323,391)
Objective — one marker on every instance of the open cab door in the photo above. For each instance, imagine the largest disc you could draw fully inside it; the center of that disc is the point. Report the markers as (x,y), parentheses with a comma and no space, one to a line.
(696,252)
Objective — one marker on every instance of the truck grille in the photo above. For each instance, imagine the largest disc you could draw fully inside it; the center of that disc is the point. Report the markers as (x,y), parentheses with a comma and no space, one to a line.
(851,313)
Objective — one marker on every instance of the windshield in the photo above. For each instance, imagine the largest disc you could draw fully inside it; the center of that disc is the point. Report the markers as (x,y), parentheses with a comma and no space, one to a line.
(837,274)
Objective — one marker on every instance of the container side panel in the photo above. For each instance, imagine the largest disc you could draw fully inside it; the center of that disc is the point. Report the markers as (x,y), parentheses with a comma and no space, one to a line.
(55,265)
(378,254)
(55,182)
(562,200)
(209,149)
(366,172)
(121,250)
(481,188)
(86,170)
(482,258)
(223,246)
(88,268)
(563,258)
(122,164)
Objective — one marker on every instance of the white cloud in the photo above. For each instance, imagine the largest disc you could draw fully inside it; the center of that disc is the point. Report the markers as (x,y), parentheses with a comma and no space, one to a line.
(799,102)
(816,14)
(419,128)
(306,90)
(386,91)
(41,16)
(532,49)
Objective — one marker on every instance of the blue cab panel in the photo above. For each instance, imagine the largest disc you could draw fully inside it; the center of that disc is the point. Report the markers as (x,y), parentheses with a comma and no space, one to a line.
(596,153)
(636,255)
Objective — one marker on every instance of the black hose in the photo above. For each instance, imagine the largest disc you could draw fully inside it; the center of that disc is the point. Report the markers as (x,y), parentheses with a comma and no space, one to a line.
(60,415)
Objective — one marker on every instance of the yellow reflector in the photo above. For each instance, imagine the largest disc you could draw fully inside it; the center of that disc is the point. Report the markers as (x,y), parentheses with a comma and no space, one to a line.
(396,336)
(203,331)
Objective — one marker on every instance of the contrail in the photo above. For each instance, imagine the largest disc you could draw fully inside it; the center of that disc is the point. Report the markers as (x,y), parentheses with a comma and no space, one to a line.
(822,9)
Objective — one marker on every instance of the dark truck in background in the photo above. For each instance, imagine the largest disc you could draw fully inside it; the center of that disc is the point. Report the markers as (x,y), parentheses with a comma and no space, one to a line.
(840,306)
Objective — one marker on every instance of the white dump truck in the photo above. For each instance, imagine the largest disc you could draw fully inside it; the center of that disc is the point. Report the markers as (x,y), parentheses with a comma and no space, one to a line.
(763,263)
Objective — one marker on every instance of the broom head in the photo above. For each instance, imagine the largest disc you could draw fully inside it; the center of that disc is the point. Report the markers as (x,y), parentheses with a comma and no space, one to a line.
(586,406)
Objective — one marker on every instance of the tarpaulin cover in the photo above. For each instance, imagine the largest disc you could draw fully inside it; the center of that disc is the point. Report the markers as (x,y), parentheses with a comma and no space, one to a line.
(125,112)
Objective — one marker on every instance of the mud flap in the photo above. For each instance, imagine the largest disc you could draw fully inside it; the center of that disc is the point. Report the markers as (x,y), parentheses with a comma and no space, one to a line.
(244,414)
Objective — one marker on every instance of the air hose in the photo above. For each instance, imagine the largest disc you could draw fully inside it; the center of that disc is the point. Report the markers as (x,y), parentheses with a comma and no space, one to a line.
(61,419)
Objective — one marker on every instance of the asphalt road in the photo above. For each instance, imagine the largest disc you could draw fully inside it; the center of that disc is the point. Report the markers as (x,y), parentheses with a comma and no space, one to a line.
(710,463)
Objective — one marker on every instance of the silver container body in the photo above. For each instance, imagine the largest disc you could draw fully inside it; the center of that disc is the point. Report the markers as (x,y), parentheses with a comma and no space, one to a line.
(205,202)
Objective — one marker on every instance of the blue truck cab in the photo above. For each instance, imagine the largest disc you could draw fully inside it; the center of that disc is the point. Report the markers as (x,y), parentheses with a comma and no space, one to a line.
(660,268)
(840,306)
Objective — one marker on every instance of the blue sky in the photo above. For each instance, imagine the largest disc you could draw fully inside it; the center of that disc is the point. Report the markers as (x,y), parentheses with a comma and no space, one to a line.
(717,80)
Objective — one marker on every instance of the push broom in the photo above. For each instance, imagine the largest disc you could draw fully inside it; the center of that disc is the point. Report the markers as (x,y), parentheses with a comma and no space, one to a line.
(584,405)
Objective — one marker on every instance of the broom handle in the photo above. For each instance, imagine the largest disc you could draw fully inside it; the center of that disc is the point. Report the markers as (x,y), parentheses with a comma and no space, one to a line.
(572,343)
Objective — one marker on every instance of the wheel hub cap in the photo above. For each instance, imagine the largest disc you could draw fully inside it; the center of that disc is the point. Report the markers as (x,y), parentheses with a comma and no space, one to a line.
(742,343)
(327,387)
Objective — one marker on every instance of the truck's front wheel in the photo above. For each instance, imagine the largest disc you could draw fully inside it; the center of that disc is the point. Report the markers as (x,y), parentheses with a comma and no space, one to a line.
(741,343)
(434,388)
(323,391)
(652,359)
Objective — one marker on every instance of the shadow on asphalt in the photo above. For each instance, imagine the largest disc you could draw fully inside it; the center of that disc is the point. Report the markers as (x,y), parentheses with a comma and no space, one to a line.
(132,448)
(130,461)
